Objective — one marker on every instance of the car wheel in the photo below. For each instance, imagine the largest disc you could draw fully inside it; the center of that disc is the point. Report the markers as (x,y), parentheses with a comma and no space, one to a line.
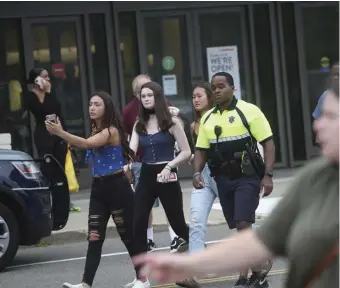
(9,236)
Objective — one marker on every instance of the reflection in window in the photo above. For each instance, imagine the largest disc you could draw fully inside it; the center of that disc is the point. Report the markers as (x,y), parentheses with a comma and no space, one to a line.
(215,34)
(129,51)
(99,53)
(167,49)
(41,49)
(60,43)
(68,46)
(321,41)
(12,83)
(264,55)
(293,78)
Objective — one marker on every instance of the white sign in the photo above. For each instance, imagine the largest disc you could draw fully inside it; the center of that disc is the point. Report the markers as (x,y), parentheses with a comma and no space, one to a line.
(169,85)
(225,59)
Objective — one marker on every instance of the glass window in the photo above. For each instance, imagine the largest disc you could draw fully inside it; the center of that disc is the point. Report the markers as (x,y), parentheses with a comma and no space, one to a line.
(215,33)
(55,48)
(129,51)
(99,53)
(293,78)
(264,55)
(321,43)
(13,119)
(167,51)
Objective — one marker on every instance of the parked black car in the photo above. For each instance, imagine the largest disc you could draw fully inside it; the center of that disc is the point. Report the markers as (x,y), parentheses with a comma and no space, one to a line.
(25,204)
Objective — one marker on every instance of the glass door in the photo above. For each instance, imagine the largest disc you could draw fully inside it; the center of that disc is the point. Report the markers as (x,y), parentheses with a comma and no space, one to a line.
(318,47)
(56,45)
(168,57)
(222,46)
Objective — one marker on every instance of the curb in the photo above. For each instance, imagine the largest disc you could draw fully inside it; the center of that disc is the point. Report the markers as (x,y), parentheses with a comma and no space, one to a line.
(71,236)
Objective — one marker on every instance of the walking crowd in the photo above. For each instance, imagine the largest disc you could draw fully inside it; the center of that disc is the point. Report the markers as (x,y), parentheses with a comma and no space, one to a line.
(135,159)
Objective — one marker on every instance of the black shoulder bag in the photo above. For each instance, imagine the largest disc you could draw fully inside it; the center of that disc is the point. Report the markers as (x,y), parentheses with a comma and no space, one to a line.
(252,149)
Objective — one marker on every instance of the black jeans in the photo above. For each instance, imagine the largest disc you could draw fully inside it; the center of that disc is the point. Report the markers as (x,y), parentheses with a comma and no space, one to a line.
(170,195)
(111,196)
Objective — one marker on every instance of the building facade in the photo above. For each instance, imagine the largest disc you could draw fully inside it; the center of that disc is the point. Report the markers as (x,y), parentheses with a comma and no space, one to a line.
(280,53)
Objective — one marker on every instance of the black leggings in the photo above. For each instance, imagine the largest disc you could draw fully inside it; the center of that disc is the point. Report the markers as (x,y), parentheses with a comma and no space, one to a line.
(113,196)
(170,195)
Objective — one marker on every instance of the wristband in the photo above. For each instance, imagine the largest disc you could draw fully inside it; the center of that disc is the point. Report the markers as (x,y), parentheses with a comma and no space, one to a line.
(196,174)
(168,167)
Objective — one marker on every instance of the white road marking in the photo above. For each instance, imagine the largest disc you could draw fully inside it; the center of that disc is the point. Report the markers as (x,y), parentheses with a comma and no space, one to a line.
(265,207)
(83,258)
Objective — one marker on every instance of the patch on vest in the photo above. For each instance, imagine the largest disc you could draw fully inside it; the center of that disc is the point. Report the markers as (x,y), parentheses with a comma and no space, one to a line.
(231,119)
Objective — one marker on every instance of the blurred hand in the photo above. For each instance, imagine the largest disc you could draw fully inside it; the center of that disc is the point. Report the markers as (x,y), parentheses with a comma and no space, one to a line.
(54,128)
(164,267)
(198,181)
(163,177)
(267,185)
(173,111)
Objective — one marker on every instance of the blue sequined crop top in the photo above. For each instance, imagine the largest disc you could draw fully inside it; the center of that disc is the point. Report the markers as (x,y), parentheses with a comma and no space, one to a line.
(158,147)
(106,160)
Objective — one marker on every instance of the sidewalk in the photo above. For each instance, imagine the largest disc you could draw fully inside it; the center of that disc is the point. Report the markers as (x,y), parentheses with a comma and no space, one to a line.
(76,227)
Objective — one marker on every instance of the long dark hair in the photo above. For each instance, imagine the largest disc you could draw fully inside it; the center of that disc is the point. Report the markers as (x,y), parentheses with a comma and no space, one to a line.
(112,117)
(34,73)
(207,88)
(161,110)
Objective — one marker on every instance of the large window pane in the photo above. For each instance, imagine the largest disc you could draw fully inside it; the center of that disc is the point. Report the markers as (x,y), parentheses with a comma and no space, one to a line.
(99,53)
(168,59)
(293,78)
(216,31)
(321,40)
(12,84)
(264,56)
(55,48)
(129,51)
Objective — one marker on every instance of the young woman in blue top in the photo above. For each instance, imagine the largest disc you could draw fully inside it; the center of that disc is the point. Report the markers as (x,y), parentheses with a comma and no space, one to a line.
(111,193)
(156,132)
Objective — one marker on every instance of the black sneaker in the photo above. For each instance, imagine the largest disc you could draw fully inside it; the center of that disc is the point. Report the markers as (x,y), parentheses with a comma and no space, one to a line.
(178,245)
(257,280)
(151,246)
(241,282)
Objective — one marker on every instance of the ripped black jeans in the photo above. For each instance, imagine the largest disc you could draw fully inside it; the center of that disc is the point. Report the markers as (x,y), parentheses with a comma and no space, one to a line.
(111,196)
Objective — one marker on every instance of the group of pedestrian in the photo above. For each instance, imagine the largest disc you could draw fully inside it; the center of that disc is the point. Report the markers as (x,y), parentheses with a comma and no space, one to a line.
(227,165)
(304,227)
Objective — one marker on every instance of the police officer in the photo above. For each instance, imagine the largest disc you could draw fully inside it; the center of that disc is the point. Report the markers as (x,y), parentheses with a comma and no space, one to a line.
(227,140)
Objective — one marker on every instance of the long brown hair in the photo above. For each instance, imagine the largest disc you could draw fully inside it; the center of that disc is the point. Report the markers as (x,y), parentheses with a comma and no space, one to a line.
(112,117)
(161,110)
(207,88)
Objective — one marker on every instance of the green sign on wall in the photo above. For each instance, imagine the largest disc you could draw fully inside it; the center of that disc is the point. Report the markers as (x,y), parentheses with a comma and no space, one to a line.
(168,63)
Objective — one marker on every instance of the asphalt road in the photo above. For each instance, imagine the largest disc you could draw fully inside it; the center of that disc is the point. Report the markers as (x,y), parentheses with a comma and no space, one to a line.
(49,267)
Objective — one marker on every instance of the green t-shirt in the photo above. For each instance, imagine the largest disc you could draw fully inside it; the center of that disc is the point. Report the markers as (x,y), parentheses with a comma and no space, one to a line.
(305,225)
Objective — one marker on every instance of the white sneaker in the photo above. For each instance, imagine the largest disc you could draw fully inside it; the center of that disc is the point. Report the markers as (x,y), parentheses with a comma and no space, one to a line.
(140,284)
(131,284)
(81,285)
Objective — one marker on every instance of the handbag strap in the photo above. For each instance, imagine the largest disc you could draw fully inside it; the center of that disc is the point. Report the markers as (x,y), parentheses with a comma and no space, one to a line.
(326,261)
(246,125)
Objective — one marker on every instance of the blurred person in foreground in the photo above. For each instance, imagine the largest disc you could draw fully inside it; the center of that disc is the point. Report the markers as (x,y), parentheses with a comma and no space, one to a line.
(304,227)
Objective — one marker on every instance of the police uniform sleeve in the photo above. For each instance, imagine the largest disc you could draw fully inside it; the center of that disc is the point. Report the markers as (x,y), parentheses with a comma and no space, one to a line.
(202,139)
(260,127)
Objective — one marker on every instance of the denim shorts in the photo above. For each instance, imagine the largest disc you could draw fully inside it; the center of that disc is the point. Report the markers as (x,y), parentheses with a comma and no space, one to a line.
(135,168)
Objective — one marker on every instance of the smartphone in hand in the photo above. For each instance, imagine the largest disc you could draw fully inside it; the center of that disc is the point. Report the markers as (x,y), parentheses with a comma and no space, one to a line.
(52,118)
